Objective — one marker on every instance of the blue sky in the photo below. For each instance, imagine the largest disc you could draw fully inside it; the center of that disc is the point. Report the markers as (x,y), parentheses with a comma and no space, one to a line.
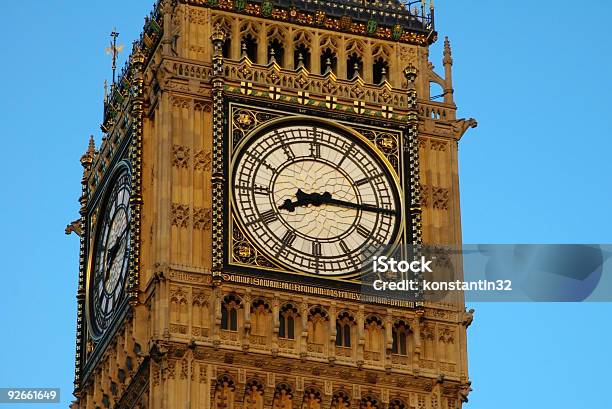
(536,170)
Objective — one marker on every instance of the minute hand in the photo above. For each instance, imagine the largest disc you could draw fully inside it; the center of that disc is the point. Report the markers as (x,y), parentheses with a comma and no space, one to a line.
(364,207)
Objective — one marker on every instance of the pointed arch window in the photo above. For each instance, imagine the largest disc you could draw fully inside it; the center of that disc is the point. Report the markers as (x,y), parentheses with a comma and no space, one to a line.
(249,47)
(286,318)
(400,338)
(380,70)
(344,325)
(226,47)
(301,57)
(354,66)
(276,52)
(229,313)
(329,61)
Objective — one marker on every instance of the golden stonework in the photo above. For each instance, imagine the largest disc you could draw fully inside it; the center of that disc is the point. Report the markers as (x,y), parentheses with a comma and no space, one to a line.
(212,317)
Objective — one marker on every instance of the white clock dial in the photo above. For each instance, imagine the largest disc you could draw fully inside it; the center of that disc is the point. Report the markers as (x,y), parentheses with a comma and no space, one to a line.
(315,198)
(109,268)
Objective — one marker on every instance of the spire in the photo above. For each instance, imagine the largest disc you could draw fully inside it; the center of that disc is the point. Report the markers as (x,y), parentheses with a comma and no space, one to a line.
(88,156)
(300,60)
(448,72)
(448,57)
(244,50)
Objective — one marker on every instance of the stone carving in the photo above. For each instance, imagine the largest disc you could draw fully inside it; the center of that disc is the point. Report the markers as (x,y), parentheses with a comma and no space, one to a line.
(202,160)
(179,214)
(438,145)
(180,156)
(440,198)
(202,218)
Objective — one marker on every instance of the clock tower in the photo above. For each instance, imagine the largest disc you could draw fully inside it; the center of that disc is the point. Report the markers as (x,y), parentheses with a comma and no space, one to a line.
(256,154)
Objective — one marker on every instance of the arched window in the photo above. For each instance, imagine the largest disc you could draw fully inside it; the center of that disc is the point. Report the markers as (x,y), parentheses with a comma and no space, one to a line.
(373,334)
(343,330)
(317,326)
(226,47)
(380,70)
(312,399)
(301,57)
(249,47)
(354,66)
(340,400)
(276,52)
(286,318)
(328,61)
(229,313)
(260,316)
(400,338)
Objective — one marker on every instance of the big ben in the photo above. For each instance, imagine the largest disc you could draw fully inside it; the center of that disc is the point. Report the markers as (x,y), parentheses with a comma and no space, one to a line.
(255,156)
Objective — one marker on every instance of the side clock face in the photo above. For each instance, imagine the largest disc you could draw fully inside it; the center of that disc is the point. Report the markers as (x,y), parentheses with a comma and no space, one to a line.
(315,198)
(110,255)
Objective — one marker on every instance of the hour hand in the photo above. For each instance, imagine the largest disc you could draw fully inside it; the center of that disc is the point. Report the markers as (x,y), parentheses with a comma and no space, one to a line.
(305,199)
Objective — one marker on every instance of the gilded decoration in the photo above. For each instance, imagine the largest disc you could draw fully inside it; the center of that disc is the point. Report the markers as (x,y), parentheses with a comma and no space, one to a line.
(244,120)
(243,252)
(422,35)
(247,118)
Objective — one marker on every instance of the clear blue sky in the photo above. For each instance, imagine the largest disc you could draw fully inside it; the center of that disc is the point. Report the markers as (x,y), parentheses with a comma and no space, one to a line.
(536,75)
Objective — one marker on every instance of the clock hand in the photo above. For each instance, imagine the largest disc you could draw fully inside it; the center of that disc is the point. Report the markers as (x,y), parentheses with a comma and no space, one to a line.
(317,199)
(360,206)
(112,252)
(303,199)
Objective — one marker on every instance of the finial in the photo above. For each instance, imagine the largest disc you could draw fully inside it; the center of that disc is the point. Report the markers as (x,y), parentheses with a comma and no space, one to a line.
(218,35)
(300,60)
(431,5)
(328,64)
(244,50)
(272,57)
(448,55)
(410,72)
(355,70)
(114,49)
(383,76)
(90,153)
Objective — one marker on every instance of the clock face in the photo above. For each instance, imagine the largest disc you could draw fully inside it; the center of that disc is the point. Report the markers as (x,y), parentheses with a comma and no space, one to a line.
(111,255)
(315,198)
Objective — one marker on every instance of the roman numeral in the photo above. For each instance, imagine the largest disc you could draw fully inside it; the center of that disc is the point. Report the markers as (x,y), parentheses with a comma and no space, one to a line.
(367,179)
(269,216)
(261,190)
(362,181)
(316,249)
(346,154)
(315,149)
(344,247)
(363,231)
(289,238)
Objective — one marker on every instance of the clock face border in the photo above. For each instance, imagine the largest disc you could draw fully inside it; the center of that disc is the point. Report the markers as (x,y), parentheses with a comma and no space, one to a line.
(98,212)
(338,122)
